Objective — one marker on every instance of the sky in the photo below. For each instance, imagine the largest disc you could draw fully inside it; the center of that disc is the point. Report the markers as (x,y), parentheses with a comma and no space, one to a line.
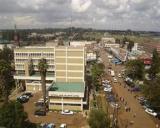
(98,14)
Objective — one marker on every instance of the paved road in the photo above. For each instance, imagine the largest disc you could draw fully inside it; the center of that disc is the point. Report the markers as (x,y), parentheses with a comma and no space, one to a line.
(142,119)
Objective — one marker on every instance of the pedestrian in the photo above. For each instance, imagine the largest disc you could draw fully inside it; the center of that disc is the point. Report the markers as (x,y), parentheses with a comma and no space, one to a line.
(125,108)
(129,109)
(157,126)
(126,103)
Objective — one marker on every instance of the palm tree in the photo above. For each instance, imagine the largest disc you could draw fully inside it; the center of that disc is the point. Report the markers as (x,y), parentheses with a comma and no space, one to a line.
(42,66)
(6,79)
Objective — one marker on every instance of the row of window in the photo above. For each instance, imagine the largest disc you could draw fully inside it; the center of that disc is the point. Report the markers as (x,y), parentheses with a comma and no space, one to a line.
(49,61)
(35,54)
(19,66)
(65,104)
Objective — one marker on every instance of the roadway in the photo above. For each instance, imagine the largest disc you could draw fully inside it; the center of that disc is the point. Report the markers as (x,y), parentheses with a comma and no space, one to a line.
(137,115)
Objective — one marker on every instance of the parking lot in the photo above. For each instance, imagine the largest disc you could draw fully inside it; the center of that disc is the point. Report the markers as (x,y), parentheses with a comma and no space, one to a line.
(73,121)
(136,117)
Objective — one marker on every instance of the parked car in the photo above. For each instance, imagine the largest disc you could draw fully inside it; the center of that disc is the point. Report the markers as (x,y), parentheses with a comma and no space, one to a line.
(51,125)
(111,98)
(141,98)
(39,104)
(135,89)
(40,112)
(114,105)
(151,112)
(119,75)
(63,126)
(108,89)
(67,112)
(105,81)
(29,94)
(22,99)
(45,125)
(115,80)
(107,85)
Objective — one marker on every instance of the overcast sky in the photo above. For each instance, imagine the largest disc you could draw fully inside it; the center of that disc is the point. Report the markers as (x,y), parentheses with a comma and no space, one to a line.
(100,14)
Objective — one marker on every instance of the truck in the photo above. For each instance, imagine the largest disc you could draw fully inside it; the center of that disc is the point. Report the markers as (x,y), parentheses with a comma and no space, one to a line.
(112,73)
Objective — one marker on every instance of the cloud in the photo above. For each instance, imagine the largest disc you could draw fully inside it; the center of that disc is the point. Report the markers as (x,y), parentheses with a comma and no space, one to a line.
(100,14)
(80,5)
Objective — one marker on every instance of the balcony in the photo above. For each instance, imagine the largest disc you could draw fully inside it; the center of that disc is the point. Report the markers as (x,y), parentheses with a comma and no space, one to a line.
(35,76)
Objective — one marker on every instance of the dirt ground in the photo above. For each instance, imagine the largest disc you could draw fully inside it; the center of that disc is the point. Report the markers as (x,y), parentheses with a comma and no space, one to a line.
(142,119)
(73,121)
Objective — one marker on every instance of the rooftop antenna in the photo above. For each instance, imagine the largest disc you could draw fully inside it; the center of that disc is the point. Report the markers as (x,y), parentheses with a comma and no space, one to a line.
(16,37)
(70,30)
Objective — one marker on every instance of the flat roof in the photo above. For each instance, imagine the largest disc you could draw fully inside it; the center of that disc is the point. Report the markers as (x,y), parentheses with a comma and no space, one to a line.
(67,87)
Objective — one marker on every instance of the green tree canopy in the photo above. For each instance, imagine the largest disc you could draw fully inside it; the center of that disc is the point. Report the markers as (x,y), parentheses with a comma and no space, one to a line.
(155,66)
(6,79)
(12,115)
(6,54)
(97,71)
(151,91)
(135,69)
(42,66)
(98,119)
(130,45)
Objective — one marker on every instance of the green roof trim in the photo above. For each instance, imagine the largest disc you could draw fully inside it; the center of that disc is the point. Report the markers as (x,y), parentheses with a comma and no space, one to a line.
(67,87)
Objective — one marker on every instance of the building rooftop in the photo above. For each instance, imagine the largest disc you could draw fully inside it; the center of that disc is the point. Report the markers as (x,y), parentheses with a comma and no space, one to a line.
(67,87)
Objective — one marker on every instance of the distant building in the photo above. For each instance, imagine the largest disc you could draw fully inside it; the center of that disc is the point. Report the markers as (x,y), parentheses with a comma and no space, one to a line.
(81,43)
(91,56)
(108,42)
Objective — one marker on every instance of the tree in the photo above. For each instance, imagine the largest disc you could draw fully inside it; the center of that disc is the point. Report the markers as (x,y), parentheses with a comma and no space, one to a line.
(130,45)
(42,66)
(6,79)
(151,91)
(135,69)
(12,115)
(155,66)
(97,71)
(118,41)
(6,54)
(98,119)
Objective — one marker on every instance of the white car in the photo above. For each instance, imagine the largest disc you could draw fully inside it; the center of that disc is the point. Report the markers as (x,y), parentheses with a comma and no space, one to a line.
(114,105)
(151,112)
(106,81)
(108,89)
(119,76)
(51,125)
(24,96)
(67,112)
(63,126)
(115,80)
(107,86)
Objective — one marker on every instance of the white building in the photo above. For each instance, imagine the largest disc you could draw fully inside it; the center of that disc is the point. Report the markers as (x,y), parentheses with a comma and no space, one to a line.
(81,43)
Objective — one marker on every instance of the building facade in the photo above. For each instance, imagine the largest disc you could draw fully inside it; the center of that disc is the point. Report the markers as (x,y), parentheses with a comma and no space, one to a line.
(65,77)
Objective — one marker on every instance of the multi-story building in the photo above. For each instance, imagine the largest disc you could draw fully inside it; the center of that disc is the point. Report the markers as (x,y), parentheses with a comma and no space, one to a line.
(65,79)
